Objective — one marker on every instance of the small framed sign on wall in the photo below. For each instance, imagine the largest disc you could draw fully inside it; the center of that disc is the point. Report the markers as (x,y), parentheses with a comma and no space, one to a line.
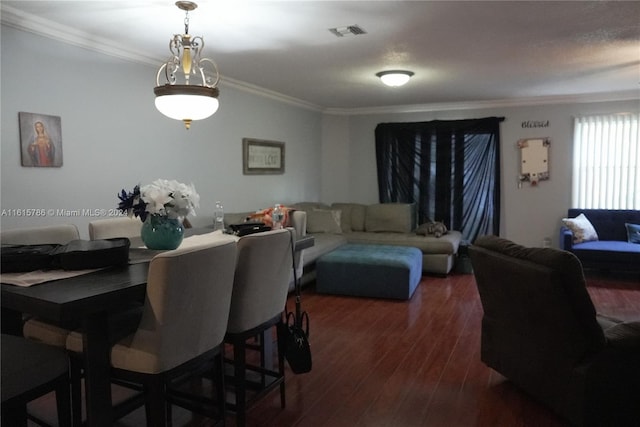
(40,140)
(262,157)
(534,160)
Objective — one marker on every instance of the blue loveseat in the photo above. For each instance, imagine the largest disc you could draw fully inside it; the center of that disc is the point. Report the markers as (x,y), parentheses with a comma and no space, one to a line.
(611,251)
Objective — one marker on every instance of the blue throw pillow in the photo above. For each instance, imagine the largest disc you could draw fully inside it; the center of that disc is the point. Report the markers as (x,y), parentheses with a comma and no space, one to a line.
(633,233)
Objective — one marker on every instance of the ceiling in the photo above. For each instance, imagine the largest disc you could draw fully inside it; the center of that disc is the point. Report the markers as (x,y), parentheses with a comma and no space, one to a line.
(460,52)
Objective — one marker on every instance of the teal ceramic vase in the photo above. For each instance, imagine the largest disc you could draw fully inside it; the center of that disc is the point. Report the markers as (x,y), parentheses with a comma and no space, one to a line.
(161,233)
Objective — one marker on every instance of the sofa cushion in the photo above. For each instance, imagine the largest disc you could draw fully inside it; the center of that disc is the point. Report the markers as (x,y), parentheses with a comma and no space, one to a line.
(609,223)
(581,228)
(324,221)
(595,253)
(307,206)
(352,218)
(633,232)
(390,217)
(447,244)
(607,246)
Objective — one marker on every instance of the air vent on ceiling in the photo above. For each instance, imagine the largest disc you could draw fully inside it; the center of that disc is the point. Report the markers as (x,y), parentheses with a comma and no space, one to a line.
(351,30)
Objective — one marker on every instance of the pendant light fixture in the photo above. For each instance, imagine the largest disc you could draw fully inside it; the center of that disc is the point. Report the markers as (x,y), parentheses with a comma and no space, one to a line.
(189,90)
(395,78)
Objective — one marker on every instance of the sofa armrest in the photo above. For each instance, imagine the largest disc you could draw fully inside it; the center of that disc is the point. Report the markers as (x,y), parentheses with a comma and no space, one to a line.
(566,238)
(299,223)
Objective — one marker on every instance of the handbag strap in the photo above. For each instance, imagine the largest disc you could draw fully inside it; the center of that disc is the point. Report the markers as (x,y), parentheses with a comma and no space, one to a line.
(296,283)
(299,323)
(293,264)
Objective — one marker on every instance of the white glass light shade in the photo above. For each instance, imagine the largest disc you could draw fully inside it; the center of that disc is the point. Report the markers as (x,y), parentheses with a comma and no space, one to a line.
(395,78)
(186,103)
(180,107)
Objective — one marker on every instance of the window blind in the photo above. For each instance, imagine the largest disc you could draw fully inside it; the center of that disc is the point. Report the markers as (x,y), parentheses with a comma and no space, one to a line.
(606,159)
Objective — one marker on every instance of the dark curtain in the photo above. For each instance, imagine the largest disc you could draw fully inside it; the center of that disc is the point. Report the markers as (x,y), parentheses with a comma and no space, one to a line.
(449,168)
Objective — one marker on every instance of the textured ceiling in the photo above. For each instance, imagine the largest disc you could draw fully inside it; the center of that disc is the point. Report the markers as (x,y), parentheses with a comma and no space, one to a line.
(461,52)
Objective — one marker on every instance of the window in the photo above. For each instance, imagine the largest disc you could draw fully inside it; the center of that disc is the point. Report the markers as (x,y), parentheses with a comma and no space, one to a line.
(449,168)
(606,159)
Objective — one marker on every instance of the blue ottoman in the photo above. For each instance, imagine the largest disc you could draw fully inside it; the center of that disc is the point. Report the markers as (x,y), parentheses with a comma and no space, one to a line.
(379,271)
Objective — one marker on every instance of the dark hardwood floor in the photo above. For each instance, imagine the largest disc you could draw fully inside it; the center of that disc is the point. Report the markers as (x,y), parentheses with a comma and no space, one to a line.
(403,363)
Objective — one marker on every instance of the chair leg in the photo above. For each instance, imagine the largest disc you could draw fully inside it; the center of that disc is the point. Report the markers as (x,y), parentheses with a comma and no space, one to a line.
(15,415)
(262,338)
(63,402)
(283,401)
(156,405)
(218,379)
(169,414)
(75,377)
(239,373)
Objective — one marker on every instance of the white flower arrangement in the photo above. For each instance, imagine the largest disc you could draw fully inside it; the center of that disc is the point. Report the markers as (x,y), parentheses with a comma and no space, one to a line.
(162,197)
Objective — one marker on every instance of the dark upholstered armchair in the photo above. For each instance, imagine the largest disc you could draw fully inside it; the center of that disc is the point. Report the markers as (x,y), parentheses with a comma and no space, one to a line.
(540,330)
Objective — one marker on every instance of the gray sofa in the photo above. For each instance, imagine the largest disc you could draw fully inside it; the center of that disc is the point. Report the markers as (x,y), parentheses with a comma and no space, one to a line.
(379,224)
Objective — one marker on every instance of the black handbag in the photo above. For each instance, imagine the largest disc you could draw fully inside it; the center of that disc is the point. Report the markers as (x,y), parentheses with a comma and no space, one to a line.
(294,341)
(244,228)
(293,331)
(87,254)
(24,258)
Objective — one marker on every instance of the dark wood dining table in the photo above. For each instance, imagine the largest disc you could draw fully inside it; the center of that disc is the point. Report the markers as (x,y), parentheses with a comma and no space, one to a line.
(88,299)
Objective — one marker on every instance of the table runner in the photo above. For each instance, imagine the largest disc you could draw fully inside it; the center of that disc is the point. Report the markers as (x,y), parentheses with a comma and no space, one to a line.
(40,276)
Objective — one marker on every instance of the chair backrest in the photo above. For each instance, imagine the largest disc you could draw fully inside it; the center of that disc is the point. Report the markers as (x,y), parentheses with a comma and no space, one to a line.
(535,296)
(28,367)
(261,280)
(114,227)
(54,234)
(186,308)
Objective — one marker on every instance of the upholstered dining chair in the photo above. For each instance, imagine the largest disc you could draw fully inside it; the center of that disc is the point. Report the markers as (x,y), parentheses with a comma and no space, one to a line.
(183,324)
(31,370)
(58,234)
(109,228)
(33,328)
(259,296)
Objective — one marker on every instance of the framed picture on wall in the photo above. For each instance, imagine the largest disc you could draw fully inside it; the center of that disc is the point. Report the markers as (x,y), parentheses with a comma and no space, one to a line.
(261,157)
(40,140)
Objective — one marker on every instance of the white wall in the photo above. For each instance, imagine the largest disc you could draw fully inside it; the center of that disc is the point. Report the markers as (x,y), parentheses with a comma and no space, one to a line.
(335,156)
(528,214)
(113,137)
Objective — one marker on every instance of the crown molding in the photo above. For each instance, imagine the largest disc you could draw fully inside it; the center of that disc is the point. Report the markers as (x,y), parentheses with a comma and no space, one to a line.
(497,103)
(20,20)
(34,24)
(43,27)
(266,93)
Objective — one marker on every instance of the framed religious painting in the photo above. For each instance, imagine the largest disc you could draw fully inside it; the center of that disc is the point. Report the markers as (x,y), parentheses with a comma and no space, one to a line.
(261,157)
(40,140)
